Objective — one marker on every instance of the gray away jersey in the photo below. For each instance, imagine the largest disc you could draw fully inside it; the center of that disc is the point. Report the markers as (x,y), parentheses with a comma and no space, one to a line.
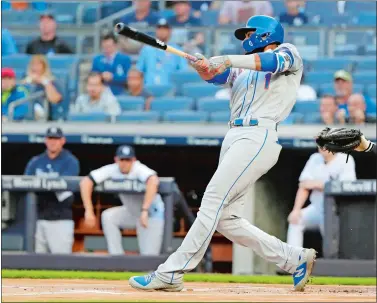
(264,94)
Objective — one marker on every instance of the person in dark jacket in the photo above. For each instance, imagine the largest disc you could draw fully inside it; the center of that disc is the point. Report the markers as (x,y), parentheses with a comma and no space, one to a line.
(12,92)
(55,226)
(48,43)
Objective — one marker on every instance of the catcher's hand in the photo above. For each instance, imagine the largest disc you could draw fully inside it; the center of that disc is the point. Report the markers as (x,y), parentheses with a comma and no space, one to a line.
(337,140)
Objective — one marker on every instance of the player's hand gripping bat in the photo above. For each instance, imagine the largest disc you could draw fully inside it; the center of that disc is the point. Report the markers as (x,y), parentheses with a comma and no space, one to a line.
(134,34)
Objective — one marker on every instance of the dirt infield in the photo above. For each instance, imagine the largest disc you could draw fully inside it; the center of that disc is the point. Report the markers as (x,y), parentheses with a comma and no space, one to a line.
(33,290)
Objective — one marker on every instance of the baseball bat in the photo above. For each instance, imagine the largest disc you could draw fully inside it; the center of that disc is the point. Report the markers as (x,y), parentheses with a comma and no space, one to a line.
(134,34)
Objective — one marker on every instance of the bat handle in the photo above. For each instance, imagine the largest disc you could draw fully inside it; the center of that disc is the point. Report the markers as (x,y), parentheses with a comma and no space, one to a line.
(181,53)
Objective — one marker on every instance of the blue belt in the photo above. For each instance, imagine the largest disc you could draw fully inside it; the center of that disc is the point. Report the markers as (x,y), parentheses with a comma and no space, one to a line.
(239,122)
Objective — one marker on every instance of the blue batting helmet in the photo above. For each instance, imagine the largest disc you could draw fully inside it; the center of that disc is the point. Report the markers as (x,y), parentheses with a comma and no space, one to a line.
(267,31)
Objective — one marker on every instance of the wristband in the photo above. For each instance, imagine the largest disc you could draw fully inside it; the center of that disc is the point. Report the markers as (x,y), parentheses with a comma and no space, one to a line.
(45,82)
(144,209)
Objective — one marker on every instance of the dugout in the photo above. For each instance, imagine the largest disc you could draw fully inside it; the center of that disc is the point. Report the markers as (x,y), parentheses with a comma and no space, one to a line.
(193,166)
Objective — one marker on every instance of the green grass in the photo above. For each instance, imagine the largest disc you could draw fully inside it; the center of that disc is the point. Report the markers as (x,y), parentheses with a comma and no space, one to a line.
(192,277)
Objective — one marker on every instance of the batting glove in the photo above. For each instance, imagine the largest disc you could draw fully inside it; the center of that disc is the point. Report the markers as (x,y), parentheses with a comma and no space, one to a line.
(202,67)
(219,64)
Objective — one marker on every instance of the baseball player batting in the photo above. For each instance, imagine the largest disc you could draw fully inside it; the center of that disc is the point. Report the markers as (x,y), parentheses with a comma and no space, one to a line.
(264,84)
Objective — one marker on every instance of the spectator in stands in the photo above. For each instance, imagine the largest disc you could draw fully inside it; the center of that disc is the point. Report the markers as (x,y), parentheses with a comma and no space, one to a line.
(11,92)
(293,15)
(305,91)
(135,87)
(48,43)
(183,15)
(238,12)
(40,78)
(142,15)
(329,110)
(343,87)
(99,97)
(357,111)
(112,64)
(8,45)
(145,213)
(157,65)
(321,167)
(55,226)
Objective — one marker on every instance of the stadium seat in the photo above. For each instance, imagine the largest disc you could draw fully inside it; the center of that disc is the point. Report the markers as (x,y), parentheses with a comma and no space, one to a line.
(166,13)
(312,118)
(65,11)
(371,90)
(18,61)
(27,17)
(198,90)
(219,117)
(185,116)
(88,117)
(306,107)
(138,116)
(210,17)
(63,61)
(165,104)
(160,90)
(367,77)
(90,13)
(331,64)
(12,242)
(366,64)
(366,19)
(131,103)
(293,118)
(319,77)
(211,104)
(182,77)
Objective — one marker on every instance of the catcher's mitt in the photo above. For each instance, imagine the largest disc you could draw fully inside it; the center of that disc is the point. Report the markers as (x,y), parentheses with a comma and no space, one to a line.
(339,140)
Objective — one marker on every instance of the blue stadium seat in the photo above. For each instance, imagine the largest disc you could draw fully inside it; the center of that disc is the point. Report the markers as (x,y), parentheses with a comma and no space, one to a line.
(305,107)
(197,90)
(219,117)
(211,104)
(331,64)
(312,118)
(209,17)
(371,91)
(138,116)
(293,118)
(371,105)
(182,77)
(360,6)
(366,64)
(131,103)
(366,19)
(65,11)
(370,50)
(319,77)
(63,61)
(165,104)
(113,7)
(338,20)
(166,13)
(368,77)
(160,90)
(328,88)
(90,13)
(185,116)
(88,117)
(18,61)
(20,17)
(347,50)
(22,42)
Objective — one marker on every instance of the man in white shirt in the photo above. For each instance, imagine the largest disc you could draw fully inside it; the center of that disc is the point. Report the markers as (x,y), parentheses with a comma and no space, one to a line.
(99,97)
(146,214)
(320,168)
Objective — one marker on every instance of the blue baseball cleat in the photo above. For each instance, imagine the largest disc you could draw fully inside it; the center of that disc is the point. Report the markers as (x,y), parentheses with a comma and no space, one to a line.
(151,282)
(304,269)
